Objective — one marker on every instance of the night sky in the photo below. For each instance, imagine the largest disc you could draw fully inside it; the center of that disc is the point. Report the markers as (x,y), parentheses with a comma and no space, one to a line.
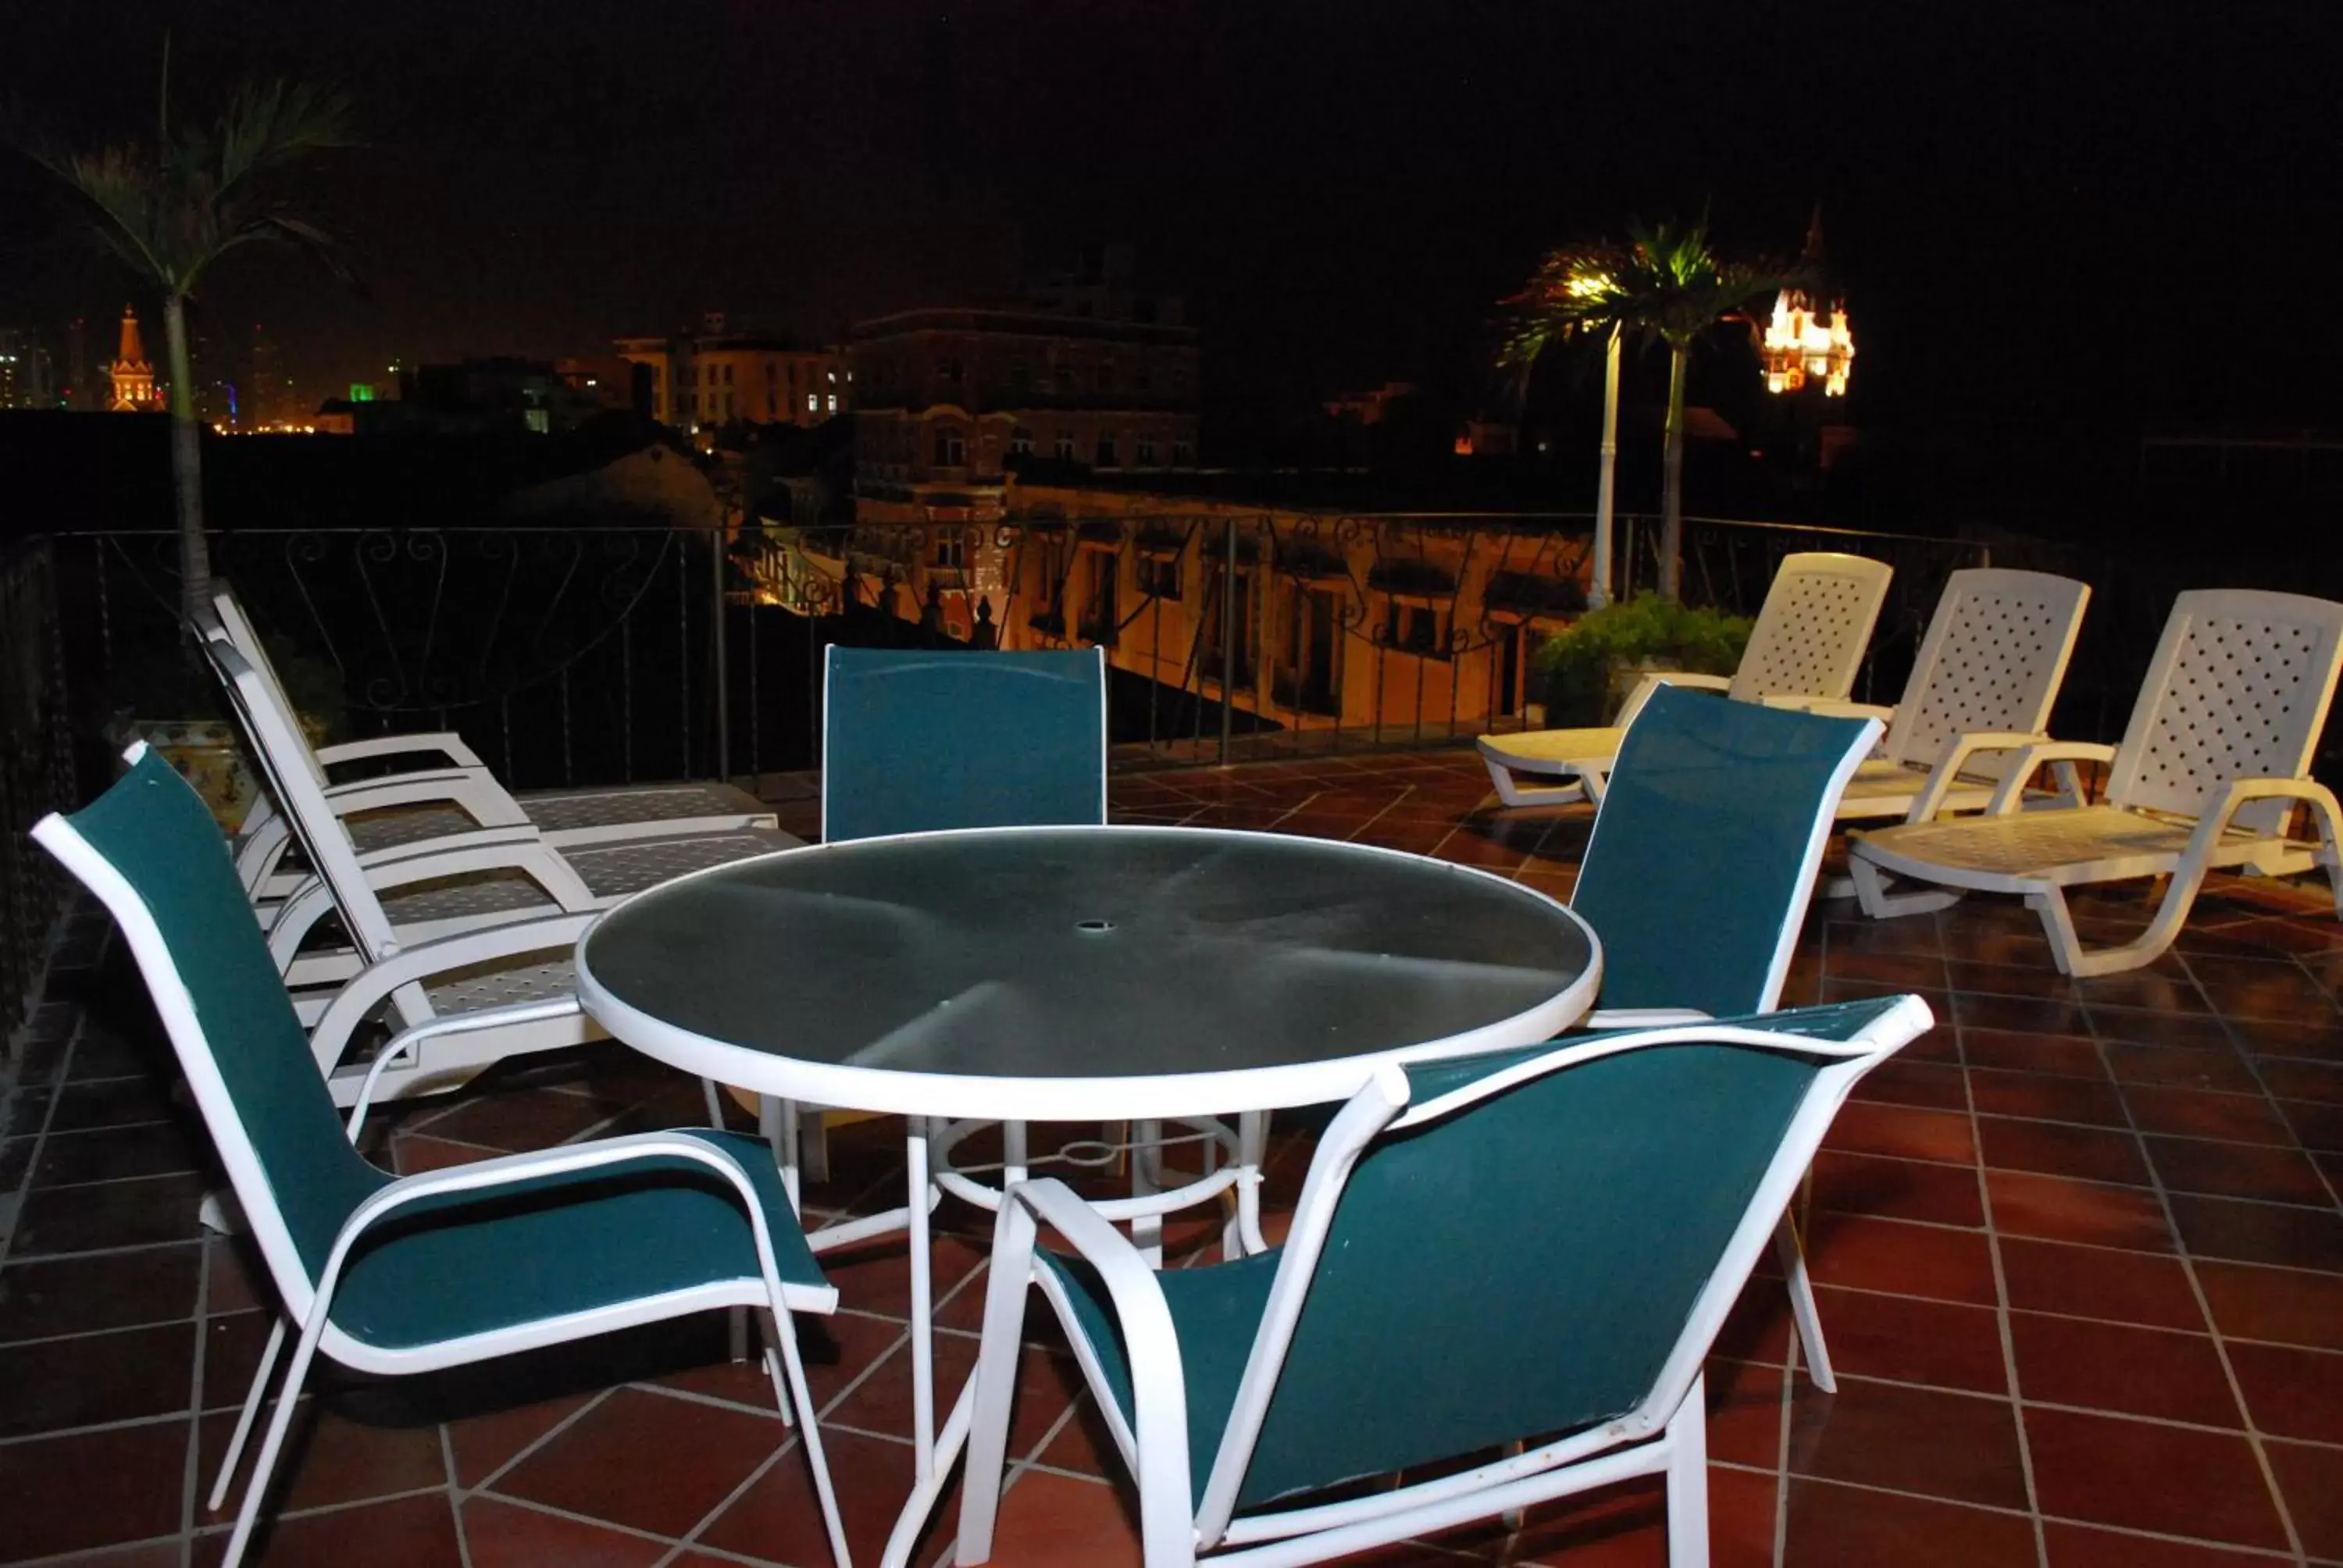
(2092,215)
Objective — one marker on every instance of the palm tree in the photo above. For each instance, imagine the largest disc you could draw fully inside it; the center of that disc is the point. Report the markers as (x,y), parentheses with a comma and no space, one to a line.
(1664,286)
(172,211)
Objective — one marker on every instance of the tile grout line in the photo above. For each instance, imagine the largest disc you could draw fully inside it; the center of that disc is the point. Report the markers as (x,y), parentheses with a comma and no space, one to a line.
(2254,1438)
(191,1484)
(456,1496)
(2001,1308)
(40,1144)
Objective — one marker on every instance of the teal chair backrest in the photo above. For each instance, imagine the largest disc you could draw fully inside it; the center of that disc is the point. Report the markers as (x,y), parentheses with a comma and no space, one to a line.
(278,1134)
(915,741)
(1705,851)
(1527,1264)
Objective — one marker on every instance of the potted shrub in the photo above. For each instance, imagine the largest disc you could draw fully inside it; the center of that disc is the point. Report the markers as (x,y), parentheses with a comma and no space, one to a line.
(161,693)
(1585,674)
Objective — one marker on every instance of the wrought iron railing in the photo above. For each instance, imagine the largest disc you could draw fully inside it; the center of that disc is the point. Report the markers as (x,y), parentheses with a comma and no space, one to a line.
(605,656)
(36,772)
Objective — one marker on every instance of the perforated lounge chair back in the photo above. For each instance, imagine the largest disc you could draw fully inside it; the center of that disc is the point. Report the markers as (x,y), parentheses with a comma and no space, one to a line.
(1812,630)
(1992,660)
(919,740)
(302,799)
(1544,1242)
(149,849)
(244,638)
(2240,687)
(1703,855)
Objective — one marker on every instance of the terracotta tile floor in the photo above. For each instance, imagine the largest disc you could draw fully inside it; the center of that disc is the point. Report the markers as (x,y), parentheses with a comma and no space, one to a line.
(2079,1251)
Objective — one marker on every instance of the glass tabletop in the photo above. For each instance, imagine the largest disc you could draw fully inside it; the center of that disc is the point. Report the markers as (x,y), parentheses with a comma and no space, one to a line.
(1061,953)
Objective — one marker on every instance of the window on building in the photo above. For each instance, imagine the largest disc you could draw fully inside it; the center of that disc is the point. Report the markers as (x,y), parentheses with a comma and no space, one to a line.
(1416,628)
(727,373)
(813,402)
(1106,458)
(950,372)
(692,404)
(833,403)
(1021,442)
(952,446)
(1065,381)
(1100,612)
(1159,576)
(1016,376)
(1106,375)
(950,550)
(772,369)
(1142,452)
(1065,446)
(1184,453)
(1143,376)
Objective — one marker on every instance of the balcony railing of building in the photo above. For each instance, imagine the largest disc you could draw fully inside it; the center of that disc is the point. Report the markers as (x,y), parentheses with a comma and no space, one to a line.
(605,656)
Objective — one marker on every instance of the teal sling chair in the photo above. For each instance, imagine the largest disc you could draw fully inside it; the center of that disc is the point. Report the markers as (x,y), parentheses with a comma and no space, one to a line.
(1526,1254)
(1698,874)
(917,742)
(398,1275)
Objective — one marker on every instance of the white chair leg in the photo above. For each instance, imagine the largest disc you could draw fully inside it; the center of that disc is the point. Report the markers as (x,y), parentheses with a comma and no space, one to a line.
(799,1397)
(243,1420)
(1688,1479)
(714,1097)
(1872,890)
(288,1399)
(1808,1315)
(1513,793)
(219,1214)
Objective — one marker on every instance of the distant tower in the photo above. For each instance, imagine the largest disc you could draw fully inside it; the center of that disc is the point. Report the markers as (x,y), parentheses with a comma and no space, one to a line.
(266,397)
(134,377)
(1807,340)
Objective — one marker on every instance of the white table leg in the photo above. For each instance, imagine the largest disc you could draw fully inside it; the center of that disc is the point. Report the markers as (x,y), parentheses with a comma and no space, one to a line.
(924,1320)
(929,1490)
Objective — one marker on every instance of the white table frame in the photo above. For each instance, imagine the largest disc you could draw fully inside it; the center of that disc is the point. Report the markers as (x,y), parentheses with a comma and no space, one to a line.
(941,1098)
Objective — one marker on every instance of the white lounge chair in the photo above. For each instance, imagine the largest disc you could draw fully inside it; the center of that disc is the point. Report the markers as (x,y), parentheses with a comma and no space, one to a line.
(1807,645)
(1982,686)
(438,887)
(459,794)
(2214,759)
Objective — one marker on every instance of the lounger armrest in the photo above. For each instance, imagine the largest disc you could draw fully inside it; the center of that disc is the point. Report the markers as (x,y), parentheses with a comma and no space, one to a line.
(444,743)
(1833,706)
(1955,756)
(390,855)
(1690,677)
(378,981)
(2239,793)
(422,1034)
(2012,792)
(473,792)
(503,850)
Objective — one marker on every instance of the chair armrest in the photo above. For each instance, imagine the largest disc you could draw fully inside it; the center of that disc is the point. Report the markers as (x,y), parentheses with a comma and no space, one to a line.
(441,1027)
(1642,1016)
(445,743)
(2007,799)
(486,1178)
(2239,793)
(1691,677)
(378,981)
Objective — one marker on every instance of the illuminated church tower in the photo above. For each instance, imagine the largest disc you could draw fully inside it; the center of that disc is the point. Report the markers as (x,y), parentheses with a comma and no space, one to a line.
(134,377)
(1807,341)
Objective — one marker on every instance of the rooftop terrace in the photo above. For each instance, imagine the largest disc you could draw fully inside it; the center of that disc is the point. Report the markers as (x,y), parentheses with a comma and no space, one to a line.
(2080,1253)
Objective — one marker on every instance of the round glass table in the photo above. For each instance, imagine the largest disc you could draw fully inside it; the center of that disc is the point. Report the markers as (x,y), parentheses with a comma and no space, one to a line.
(1074,974)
